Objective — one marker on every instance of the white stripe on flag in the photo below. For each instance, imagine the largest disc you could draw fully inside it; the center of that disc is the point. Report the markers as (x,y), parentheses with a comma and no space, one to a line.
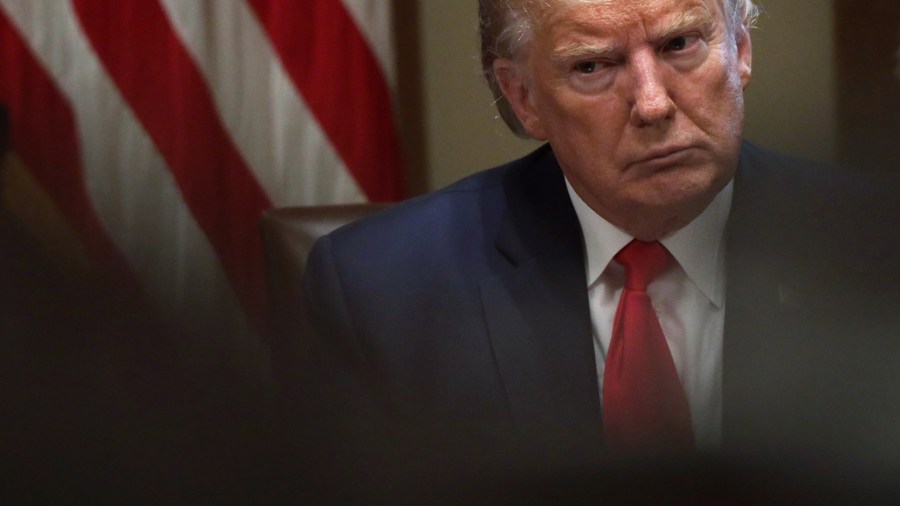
(270,123)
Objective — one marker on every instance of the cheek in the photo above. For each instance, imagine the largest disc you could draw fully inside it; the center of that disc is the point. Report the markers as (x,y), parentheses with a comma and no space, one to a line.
(718,106)
(591,121)
(732,104)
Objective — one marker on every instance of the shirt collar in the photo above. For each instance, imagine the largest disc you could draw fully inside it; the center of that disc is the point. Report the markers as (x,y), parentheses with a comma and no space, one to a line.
(698,247)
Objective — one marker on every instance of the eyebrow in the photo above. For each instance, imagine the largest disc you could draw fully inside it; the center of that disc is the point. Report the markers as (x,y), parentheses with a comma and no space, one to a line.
(577,50)
(697,17)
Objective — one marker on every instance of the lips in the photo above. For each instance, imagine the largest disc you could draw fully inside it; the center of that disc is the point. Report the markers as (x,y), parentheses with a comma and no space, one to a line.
(662,156)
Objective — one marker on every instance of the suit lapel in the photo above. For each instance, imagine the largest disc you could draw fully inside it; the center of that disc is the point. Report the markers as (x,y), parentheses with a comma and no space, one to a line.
(536,306)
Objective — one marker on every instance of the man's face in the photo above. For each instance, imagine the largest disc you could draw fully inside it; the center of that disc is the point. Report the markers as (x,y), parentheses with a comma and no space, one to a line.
(641,100)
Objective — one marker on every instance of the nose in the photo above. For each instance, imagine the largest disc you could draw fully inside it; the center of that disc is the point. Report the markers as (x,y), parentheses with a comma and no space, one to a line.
(652,103)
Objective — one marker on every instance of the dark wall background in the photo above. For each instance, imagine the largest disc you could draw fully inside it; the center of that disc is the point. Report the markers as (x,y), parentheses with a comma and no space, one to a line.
(868,61)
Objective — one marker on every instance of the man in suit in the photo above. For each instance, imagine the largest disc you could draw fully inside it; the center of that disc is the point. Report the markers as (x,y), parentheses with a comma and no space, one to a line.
(484,315)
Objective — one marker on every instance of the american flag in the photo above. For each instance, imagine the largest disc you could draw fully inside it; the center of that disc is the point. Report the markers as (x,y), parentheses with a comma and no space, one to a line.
(148,136)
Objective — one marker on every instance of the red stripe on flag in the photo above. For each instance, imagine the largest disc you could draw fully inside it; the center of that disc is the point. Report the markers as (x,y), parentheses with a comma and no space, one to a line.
(169,96)
(336,71)
(45,135)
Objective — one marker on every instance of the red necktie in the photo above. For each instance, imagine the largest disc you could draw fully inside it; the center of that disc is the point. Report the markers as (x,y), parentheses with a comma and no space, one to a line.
(644,406)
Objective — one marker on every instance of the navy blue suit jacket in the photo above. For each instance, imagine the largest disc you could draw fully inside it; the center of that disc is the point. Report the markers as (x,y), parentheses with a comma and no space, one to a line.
(468,306)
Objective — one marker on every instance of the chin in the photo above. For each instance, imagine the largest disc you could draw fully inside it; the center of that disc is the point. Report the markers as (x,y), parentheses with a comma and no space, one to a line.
(687,187)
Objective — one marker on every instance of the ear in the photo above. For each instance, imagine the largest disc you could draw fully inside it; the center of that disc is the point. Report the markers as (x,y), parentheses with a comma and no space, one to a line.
(744,55)
(516,89)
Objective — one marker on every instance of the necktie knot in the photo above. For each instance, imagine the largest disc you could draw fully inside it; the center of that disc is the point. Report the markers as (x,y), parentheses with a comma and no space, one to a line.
(643,262)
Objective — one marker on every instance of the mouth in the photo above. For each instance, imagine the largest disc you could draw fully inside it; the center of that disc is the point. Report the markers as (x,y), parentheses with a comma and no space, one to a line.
(664,157)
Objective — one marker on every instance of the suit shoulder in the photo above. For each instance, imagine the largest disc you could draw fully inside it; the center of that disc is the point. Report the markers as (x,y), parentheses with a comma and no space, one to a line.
(807,176)
(840,217)
(461,202)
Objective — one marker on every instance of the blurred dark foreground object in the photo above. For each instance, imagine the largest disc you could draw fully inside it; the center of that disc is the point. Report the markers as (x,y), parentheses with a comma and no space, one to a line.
(97,406)
(449,471)
(704,480)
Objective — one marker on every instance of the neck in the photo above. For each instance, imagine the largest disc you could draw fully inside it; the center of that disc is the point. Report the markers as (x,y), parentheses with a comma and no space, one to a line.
(650,223)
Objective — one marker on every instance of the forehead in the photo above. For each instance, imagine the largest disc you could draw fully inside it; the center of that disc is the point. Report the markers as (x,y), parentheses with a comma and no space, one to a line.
(611,16)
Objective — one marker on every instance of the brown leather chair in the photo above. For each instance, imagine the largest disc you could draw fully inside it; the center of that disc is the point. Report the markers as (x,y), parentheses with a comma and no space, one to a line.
(288,234)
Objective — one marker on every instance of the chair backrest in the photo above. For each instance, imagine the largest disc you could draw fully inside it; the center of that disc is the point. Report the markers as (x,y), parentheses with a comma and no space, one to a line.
(288,234)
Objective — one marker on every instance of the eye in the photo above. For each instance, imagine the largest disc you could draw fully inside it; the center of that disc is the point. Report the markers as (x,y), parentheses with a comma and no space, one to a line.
(677,44)
(681,43)
(591,75)
(588,67)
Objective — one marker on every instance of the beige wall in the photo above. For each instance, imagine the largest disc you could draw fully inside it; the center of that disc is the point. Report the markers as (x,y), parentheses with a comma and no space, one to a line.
(792,99)
(790,104)
(463,133)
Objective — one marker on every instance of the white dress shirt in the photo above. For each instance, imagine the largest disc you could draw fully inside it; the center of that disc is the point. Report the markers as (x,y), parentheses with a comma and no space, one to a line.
(689,300)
